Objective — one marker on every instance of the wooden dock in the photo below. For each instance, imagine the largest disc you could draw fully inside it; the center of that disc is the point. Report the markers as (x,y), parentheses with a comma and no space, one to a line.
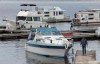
(78,35)
(89,58)
(10,34)
(3,31)
(81,35)
(13,36)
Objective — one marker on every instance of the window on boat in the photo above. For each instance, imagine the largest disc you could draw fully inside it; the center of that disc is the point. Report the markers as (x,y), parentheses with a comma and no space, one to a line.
(45,33)
(46,12)
(54,13)
(29,19)
(56,33)
(20,18)
(39,12)
(50,33)
(36,18)
(90,18)
(60,12)
(83,18)
(90,14)
(46,15)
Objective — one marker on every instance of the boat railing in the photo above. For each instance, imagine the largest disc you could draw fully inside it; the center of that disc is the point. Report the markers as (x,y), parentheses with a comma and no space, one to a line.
(41,41)
(66,18)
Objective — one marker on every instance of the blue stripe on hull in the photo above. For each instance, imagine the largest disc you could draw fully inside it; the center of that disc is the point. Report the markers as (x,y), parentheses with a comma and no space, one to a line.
(46,46)
(50,56)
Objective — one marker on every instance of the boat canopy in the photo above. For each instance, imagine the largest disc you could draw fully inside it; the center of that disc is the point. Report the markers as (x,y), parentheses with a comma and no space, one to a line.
(27,13)
(28,5)
(28,16)
(46,31)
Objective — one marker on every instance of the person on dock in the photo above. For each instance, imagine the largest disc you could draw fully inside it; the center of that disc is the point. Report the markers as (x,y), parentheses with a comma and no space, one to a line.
(71,26)
(83,44)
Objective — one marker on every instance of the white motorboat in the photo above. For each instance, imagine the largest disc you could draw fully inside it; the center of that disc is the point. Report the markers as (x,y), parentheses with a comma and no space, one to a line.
(47,42)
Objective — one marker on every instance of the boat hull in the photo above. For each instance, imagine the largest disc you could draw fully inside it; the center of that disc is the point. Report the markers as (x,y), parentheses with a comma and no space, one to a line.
(48,52)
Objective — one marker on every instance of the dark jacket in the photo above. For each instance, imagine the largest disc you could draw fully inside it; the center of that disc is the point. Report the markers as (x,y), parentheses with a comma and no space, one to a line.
(83,42)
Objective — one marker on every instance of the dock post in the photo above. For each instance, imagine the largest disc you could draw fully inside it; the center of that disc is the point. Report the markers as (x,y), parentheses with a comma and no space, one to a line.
(66,56)
(72,46)
(73,59)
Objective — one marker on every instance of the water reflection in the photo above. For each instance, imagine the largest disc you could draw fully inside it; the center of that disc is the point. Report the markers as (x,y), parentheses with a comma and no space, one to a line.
(35,59)
(12,54)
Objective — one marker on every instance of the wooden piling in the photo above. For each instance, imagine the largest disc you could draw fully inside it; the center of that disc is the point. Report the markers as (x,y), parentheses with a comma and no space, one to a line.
(80,59)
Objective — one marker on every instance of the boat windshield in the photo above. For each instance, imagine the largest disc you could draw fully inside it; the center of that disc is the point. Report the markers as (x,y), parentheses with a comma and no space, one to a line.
(50,33)
(46,31)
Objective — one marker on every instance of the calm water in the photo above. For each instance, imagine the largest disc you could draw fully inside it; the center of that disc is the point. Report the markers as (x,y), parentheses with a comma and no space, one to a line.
(13,52)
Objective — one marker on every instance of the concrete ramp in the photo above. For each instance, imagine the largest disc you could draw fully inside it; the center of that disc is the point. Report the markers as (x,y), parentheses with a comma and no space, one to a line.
(94,62)
(90,56)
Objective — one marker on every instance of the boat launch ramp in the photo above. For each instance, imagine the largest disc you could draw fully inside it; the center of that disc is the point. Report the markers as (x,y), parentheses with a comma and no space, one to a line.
(89,58)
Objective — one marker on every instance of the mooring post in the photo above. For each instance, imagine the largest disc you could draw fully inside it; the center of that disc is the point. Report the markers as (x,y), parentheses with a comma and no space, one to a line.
(73,61)
(66,56)
(72,46)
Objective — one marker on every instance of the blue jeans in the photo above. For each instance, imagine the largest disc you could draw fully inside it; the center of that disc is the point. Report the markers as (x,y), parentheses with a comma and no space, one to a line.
(84,49)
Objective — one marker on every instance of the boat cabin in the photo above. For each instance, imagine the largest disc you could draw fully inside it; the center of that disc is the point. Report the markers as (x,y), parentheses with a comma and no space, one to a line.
(92,15)
(27,19)
(46,31)
(51,13)
(26,15)
(55,13)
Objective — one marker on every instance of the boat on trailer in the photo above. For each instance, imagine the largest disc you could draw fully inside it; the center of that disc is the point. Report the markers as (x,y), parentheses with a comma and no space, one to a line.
(47,42)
